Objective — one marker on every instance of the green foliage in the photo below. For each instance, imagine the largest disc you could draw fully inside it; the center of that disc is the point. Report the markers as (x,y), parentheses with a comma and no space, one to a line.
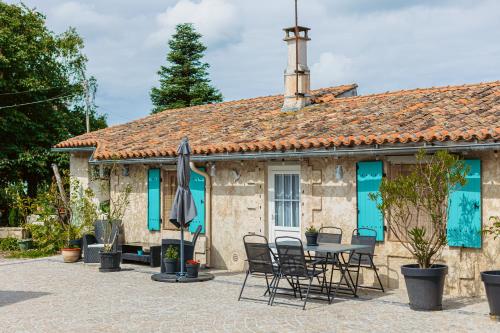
(422,194)
(113,212)
(171,252)
(36,65)
(311,230)
(9,244)
(494,229)
(184,81)
(49,237)
(14,218)
(32,253)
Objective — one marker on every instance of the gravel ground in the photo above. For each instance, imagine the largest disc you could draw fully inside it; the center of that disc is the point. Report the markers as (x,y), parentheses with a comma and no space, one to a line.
(47,295)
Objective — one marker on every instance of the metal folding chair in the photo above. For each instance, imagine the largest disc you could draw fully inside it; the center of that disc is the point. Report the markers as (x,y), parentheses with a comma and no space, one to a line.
(293,266)
(363,258)
(260,262)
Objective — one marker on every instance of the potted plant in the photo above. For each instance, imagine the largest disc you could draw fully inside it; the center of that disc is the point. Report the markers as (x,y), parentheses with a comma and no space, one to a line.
(113,211)
(491,279)
(192,268)
(170,260)
(409,198)
(25,244)
(75,212)
(312,236)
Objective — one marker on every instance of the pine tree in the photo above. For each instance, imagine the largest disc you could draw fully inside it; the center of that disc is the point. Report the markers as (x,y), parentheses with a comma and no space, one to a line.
(184,81)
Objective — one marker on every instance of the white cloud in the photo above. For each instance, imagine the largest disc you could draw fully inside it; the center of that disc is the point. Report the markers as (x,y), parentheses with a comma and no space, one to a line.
(331,69)
(381,45)
(216,20)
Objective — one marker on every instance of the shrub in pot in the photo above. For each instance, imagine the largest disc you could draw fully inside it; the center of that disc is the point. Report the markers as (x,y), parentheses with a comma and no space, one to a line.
(312,236)
(491,279)
(422,195)
(171,259)
(25,244)
(192,268)
(113,211)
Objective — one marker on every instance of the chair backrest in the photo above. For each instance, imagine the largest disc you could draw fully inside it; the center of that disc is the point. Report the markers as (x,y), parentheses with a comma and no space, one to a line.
(370,240)
(330,235)
(196,234)
(258,254)
(291,256)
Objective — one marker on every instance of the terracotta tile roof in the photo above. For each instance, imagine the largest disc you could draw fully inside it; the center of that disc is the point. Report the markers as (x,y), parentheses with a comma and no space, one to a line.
(453,113)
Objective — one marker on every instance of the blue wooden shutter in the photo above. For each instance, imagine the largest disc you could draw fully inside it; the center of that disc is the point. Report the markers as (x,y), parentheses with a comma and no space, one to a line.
(154,200)
(369,177)
(197,187)
(464,210)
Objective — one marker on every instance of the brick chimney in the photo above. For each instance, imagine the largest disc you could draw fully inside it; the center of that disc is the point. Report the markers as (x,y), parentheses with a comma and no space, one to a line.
(297,75)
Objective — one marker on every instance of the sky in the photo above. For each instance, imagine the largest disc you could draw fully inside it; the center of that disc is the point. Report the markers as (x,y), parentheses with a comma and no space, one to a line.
(381,45)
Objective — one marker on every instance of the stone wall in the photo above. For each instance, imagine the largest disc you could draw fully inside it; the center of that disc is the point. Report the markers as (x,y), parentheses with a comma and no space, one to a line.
(239,206)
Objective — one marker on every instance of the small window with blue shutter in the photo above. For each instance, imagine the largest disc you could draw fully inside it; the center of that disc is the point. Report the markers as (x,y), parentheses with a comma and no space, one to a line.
(154,199)
(369,177)
(464,210)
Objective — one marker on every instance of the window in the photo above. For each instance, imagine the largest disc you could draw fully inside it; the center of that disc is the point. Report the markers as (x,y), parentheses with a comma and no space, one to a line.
(421,221)
(286,200)
(169,188)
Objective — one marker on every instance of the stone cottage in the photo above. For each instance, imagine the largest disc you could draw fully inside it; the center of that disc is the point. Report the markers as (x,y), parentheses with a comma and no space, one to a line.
(278,164)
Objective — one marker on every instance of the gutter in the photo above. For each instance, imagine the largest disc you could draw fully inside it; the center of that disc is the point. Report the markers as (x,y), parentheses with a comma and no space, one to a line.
(373,150)
(208,209)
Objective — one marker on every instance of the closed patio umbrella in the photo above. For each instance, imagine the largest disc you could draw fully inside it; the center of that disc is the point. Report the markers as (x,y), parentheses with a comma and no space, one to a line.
(183,208)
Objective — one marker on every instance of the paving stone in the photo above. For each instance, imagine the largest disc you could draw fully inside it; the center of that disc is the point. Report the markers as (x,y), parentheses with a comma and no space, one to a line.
(47,295)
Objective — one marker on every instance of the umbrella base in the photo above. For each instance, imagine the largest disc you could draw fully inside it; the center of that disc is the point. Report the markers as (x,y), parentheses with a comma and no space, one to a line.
(173,278)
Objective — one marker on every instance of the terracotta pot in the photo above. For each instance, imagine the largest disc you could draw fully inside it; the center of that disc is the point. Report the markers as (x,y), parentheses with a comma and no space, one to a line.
(71,255)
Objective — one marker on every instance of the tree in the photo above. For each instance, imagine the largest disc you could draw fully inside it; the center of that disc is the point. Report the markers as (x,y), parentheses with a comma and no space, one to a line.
(41,95)
(184,81)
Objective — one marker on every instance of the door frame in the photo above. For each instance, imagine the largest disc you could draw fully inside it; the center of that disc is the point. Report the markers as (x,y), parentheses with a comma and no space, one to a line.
(271,171)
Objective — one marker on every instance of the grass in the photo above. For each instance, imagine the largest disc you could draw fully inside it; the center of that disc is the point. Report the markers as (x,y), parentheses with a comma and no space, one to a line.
(33,253)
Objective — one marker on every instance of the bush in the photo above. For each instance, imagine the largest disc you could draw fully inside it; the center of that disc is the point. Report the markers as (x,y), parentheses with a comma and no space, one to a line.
(9,244)
(49,237)
(33,253)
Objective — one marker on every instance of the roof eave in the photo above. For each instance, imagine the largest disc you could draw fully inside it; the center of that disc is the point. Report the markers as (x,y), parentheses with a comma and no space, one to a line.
(357,151)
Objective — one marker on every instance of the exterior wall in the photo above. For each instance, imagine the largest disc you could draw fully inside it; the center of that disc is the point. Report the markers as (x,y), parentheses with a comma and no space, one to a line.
(239,206)
(135,225)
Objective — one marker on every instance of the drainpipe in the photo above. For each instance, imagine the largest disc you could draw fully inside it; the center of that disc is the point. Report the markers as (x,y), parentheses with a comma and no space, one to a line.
(208,208)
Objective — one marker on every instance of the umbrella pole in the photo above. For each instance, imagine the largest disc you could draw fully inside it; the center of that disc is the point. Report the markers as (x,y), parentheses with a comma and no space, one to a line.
(182,251)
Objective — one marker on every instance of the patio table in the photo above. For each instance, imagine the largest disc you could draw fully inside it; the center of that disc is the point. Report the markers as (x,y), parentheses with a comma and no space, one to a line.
(334,256)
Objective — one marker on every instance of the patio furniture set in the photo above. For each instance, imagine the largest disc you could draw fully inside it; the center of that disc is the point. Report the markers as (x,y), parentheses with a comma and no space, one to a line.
(304,268)
(137,252)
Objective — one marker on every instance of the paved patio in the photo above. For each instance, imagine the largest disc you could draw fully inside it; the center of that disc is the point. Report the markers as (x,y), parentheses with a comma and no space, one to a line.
(46,295)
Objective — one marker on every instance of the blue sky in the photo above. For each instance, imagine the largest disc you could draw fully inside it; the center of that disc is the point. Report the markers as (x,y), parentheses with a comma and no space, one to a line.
(380,44)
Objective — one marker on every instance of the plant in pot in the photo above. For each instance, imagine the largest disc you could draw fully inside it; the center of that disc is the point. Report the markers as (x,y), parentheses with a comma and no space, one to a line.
(491,279)
(192,268)
(312,236)
(113,212)
(416,207)
(75,212)
(171,258)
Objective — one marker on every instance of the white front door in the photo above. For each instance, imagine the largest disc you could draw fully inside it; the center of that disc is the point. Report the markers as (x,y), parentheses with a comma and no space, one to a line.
(284,201)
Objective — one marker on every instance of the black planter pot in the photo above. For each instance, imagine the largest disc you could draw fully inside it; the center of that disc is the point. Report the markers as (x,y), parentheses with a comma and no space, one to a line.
(75,243)
(491,281)
(312,238)
(425,286)
(171,266)
(192,270)
(110,261)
